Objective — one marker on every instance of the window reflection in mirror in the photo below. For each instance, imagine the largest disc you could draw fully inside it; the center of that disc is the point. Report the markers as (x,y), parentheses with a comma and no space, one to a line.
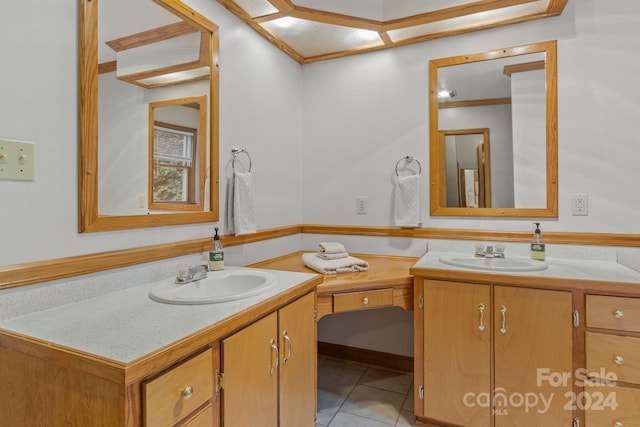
(512,93)
(135,53)
(176,154)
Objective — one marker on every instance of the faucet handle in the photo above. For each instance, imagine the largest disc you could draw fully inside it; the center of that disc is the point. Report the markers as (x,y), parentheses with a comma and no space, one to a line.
(182,271)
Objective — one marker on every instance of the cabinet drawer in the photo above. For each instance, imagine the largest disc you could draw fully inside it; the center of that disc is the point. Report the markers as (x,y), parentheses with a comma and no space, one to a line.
(349,301)
(178,392)
(204,418)
(620,313)
(615,354)
(601,414)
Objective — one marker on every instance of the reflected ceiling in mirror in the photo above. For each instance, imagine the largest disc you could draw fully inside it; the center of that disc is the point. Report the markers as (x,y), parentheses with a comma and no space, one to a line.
(132,54)
(512,93)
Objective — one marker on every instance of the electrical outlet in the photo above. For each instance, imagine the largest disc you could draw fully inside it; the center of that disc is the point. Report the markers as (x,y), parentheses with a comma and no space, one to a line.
(362,206)
(579,204)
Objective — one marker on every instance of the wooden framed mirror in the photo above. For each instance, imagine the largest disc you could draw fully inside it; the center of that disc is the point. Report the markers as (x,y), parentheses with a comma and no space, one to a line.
(114,158)
(512,94)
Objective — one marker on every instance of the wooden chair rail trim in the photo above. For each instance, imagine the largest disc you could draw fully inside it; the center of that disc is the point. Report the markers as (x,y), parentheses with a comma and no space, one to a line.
(42,271)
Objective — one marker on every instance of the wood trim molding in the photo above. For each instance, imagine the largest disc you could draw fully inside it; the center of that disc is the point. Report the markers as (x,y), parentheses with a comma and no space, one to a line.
(367,357)
(557,237)
(474,103)
(16,275)
(521,68)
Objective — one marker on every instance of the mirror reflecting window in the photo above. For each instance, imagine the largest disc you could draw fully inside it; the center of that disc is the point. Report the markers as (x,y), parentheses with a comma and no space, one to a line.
(510,93)
(176,154)
(135,53)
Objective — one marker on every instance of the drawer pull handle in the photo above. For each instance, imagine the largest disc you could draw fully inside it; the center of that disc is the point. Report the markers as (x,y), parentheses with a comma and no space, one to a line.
(619,360)
(274,349)
(287,343)
(503,329)
(617,424)
(187,393)
(481,309)
(365,301)
(618,314)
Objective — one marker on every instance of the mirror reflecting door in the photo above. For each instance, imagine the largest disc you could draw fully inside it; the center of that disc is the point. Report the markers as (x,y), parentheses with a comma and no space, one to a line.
(465,160)
(512,93)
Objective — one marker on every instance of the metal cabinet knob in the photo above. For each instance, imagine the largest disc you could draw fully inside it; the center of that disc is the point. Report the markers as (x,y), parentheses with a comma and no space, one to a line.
(365,301)
(619,360)
(618,314)
(617,424)
(187,393)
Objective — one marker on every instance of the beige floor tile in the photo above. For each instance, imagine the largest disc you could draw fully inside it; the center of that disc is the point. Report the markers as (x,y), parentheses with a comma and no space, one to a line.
(374,403)
(343,419)
(328,404)
(409,403)
(406,419)
(339,377)
(387,380)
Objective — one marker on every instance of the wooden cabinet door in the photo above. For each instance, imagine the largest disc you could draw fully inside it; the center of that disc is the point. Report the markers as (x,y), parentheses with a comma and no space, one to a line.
(457,353)
(298,360)
(250,359)
(533,343)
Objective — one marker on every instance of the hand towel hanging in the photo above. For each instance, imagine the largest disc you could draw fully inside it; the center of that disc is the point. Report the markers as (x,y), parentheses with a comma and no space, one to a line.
(244,209)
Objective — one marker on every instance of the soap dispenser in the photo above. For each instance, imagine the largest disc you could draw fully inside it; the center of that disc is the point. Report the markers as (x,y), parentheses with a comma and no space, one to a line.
(216,254)
(537,244)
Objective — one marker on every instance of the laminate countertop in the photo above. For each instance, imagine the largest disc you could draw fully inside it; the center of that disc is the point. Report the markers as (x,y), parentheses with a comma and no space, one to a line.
(128,325)
(563,273)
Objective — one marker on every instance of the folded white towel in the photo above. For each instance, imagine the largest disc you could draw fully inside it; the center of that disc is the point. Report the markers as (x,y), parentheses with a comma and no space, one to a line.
(332,266)
(407,207)
(244,210)
(331,248)
(338,255)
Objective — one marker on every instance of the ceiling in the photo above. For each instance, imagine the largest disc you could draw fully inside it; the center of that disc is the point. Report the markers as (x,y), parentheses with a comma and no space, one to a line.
(316,30)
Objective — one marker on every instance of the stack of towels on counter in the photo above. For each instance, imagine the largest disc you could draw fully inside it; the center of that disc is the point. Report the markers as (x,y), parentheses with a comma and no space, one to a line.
(332,258)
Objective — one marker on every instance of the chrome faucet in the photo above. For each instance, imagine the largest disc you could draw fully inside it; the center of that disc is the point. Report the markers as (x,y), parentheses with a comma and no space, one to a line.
(195,273)
(490,250)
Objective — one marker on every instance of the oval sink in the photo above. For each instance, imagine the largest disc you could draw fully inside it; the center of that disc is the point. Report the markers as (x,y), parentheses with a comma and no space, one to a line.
(218,286)
(496,264)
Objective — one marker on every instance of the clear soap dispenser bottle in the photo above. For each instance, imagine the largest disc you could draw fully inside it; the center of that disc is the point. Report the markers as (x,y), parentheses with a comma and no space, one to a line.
(537,244)
(216,254)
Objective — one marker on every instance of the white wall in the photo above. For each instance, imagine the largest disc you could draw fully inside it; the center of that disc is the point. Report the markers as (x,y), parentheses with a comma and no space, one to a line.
(260,104)
(363,113)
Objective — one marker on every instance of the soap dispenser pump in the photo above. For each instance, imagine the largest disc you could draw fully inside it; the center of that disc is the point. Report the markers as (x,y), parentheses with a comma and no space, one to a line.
(537,244)
(216,254)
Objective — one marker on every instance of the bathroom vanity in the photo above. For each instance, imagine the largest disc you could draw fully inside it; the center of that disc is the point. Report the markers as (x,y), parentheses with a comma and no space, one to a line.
(386,283)
(122,359)
(555,347)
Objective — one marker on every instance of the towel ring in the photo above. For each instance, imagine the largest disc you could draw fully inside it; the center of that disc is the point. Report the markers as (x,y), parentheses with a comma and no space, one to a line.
(235,151)
(409,159)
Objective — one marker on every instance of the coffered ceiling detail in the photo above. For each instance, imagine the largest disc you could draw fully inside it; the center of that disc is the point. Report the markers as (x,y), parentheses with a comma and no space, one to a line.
(316,30)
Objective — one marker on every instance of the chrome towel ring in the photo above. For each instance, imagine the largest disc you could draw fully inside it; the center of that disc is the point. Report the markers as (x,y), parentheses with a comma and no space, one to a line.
(235,151)
(409,159)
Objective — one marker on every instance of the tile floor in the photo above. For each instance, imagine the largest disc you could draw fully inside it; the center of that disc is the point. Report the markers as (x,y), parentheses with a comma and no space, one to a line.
(358,396)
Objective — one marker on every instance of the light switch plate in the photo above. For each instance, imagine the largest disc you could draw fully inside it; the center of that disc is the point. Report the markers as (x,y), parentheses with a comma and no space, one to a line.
(16,160)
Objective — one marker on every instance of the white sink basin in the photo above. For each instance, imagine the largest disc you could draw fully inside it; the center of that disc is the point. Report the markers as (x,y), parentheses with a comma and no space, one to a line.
(219,286)
(496,264)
